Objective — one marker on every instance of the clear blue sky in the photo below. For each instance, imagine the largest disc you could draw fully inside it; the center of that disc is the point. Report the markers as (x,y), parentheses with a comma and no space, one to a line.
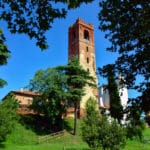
(26,58)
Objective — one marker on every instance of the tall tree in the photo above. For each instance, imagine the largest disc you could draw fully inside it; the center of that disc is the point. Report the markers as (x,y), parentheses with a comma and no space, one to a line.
(8,116)
(135,124)
(90,126)
(127,27)
(50,84)
(35,17)
(116,109)
(4,55)
(77,79)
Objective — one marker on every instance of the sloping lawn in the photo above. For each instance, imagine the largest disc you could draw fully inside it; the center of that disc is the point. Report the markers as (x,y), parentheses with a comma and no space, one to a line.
(25,139)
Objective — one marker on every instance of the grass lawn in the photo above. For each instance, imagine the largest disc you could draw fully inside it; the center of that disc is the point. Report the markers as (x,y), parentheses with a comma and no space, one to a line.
(25,139)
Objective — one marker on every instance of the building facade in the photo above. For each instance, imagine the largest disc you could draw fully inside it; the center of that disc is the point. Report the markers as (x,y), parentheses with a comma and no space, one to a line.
(81,45)
(25,99)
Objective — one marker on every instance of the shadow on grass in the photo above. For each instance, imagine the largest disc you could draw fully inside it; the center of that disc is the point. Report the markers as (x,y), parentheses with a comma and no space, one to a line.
(68,127)
(2,145)
(38,124)
(41,125)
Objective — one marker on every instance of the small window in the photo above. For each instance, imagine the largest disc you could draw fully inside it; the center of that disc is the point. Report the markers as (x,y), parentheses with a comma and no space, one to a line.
(88,70)
(87,59)
(87,48)
(86,35)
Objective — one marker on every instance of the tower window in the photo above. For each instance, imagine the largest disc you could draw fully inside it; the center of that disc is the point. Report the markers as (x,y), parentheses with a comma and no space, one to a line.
(87,60)
(86,35)
(73,36)
(87,48)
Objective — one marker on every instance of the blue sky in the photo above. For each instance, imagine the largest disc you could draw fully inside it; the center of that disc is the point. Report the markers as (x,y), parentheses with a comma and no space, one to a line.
(26,58)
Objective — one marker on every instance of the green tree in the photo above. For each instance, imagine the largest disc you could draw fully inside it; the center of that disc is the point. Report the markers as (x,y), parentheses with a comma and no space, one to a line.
(116,109)
(77,79)
(50,84)
(90,126)
(145,101)
(8,116)
(35,17)
(4,55)
(135,124)
(99,132)
(127,26)
(111,135)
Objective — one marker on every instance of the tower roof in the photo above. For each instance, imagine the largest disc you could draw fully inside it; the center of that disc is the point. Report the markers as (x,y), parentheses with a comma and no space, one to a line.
(81,22)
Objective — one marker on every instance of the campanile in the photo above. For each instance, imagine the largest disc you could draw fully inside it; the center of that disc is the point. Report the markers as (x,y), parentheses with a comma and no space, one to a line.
(81,44)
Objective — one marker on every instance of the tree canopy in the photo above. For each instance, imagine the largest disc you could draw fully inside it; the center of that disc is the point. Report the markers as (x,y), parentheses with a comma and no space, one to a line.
(8,116)
(100,132)
(127,26)
(4,55)
(77,79)
(35,17)
(116,109)
(50,84)
(58,85)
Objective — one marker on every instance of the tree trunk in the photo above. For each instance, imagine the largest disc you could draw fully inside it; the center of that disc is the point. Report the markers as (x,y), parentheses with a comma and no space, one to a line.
(75,120)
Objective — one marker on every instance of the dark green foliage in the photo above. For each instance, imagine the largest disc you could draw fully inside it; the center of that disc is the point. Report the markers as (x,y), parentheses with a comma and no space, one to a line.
(135,125)
(2,83)
(39,124)
(145,101)
(55,86)
(4,52)
(127,23)
(111,135)
(98,132)
(77,79)
(147,119)
(50,84)
(4,55)
(90,127)
(35,17)
(8,116)
(127,27)
(116,109)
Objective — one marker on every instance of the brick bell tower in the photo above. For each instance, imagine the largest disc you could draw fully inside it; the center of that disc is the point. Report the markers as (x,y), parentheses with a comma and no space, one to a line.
(81,44)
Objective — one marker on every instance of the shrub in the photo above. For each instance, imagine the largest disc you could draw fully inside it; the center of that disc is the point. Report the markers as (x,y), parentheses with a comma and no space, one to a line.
(90,124)
(111,135)
(8,116)
(99,132)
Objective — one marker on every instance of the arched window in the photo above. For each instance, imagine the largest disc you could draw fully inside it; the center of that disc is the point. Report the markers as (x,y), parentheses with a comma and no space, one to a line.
(86,35)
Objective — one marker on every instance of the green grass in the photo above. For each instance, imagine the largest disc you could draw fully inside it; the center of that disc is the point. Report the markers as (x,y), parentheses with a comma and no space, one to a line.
(25,139)
(137,145)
